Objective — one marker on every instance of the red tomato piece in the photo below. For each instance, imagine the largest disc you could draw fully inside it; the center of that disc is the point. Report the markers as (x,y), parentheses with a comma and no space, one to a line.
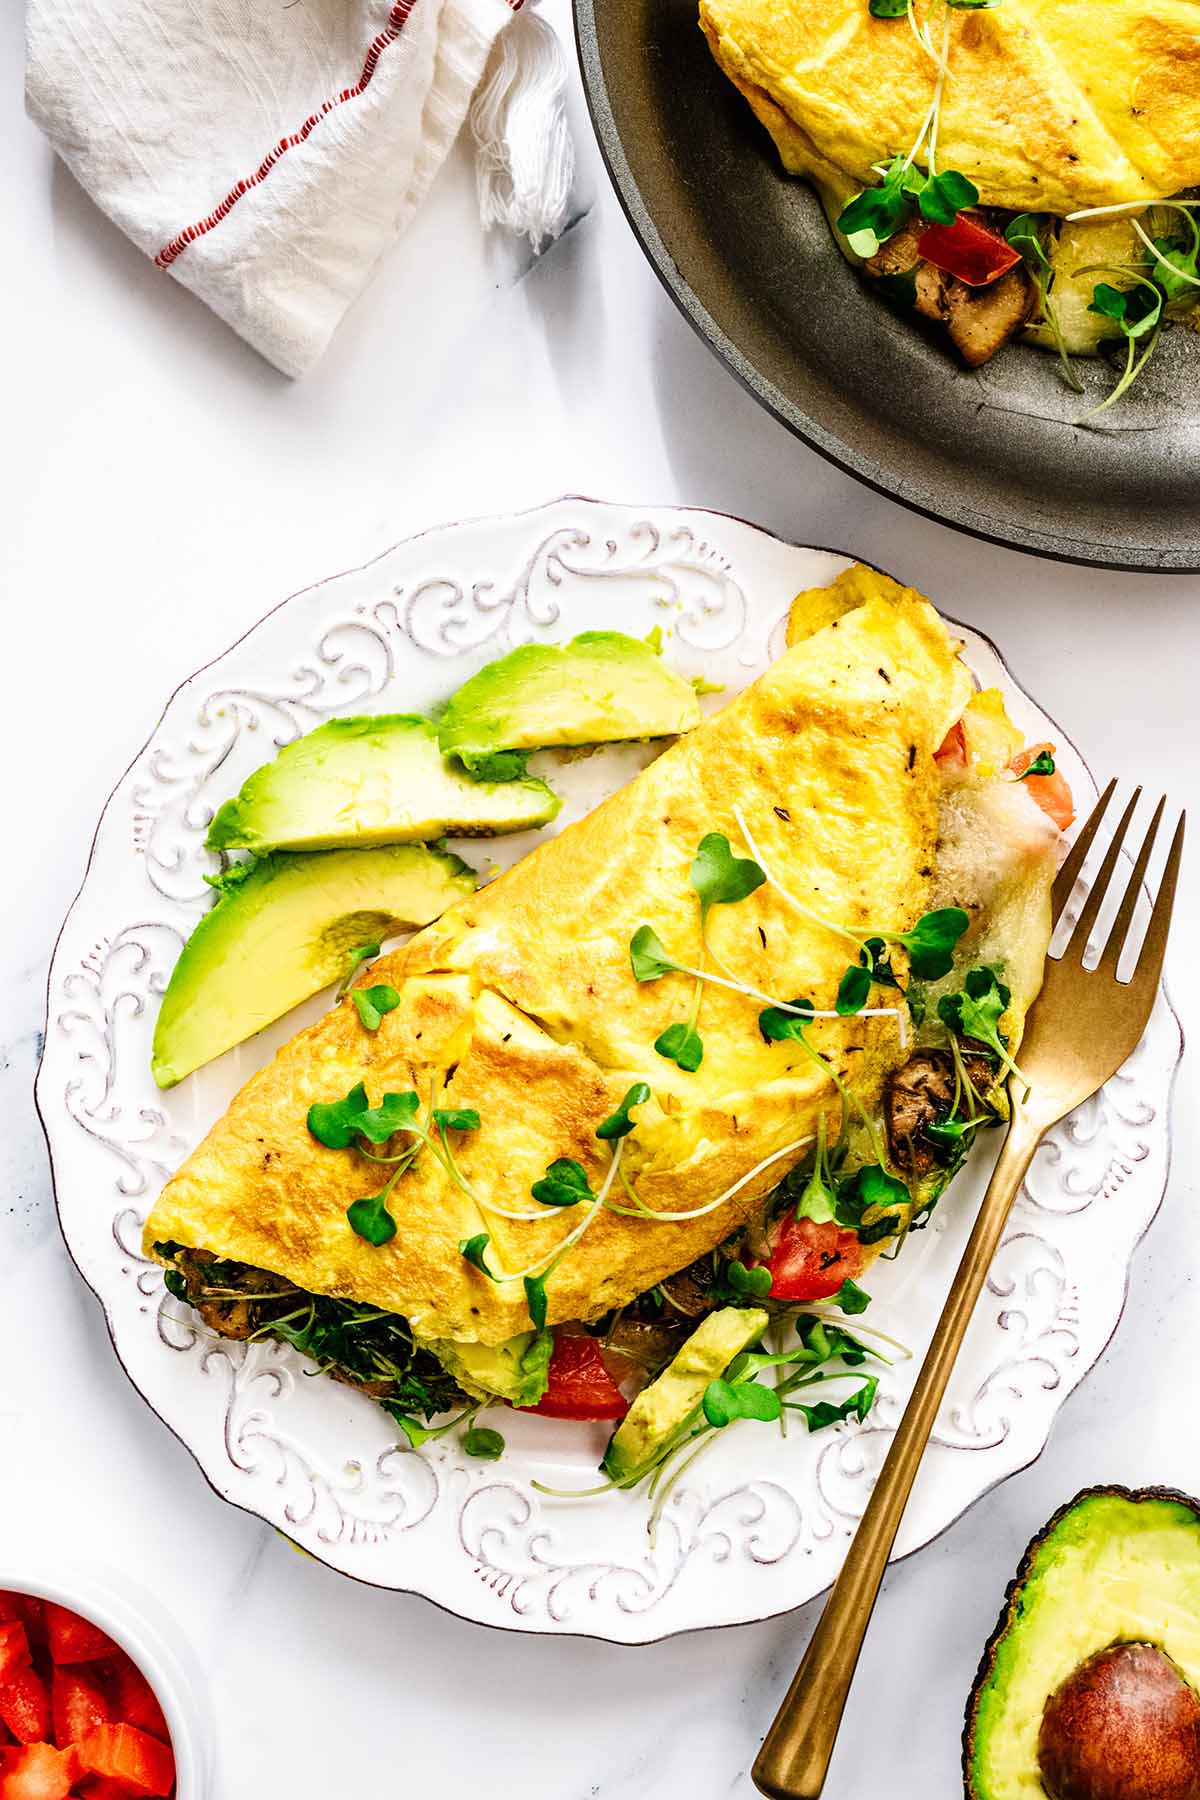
(27,1610)
(123,1753)
(134,1700)
(968,250)
(14,1647)
(78,1705)
(35,1772)
(73,1639)
(810,1261)
(578,1384)
(1051,792)
(99,1787)
(25,1705)
(951,753)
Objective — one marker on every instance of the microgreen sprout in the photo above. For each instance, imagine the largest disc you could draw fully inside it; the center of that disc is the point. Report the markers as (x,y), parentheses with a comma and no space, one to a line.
(1137,314)
(371,1003)
(949,1134)
(339,1123)
(850,1298)
(719,877)
(370,1217)
(818,1197)
(1166,281)
(1042,764)
(825,1413)
(639,1207)
(681,1043)
(1027,233)
(565,1183)
(872,1191)
(618,1124)
(976,1013)
(740,1284)
(876,214)
(786,1024)
(797,906)
(930,943)
(650,961)
(725,1401)
(483,1443)
(361,954)
(474,1251)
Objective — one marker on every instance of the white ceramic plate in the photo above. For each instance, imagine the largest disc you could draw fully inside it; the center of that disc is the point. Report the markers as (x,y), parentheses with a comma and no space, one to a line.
(760,1523)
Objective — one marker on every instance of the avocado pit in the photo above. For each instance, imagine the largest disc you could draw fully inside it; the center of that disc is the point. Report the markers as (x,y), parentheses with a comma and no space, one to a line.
(1125,1725)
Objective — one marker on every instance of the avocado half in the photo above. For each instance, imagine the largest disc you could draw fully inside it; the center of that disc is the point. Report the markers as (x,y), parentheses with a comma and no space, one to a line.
(1115,1565)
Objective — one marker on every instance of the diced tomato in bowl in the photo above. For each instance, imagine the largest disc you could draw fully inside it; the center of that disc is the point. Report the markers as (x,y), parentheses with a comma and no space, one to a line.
(134,1700)
(142,1764)
(36,1772)
(78,1717)
(25,1704)
(72,1639)
(78,1704)
(14,1646)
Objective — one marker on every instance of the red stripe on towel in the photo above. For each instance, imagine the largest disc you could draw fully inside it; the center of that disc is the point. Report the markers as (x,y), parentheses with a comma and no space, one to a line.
(397,20)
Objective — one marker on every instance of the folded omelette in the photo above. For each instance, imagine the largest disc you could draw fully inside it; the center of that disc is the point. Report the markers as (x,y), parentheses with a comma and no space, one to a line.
(521,1004)
(1050,105)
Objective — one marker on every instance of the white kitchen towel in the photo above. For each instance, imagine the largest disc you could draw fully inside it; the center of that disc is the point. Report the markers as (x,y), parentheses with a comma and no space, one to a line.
(267,155)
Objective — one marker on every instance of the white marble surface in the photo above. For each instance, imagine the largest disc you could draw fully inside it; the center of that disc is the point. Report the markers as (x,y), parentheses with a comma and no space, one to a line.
(161,488)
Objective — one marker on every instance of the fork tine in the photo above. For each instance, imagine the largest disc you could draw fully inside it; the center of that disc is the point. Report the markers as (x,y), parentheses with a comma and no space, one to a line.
(1068,875)
(1150,960)
(1124,919)
(1082,930)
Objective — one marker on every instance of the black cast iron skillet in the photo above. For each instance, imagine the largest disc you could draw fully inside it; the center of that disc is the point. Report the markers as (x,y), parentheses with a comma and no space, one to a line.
(746,252)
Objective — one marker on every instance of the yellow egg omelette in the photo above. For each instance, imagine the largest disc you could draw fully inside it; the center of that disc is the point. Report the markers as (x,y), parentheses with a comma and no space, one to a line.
(522,1005)
(1048,106)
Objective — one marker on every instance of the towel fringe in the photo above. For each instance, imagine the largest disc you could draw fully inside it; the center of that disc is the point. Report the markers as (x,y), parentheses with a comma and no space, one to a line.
(524,156)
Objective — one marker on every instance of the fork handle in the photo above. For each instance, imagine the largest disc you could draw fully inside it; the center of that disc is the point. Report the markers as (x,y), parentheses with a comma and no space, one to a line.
(794,1759)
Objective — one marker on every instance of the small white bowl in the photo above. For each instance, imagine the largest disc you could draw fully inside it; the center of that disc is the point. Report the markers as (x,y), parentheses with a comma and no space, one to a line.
(141,1626)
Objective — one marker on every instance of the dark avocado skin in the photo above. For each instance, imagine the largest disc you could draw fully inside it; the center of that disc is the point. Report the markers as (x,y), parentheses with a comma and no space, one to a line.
(1012,1594)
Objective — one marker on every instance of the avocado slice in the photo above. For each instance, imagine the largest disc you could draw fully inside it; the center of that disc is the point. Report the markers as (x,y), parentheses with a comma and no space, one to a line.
(666,1404)
(281,930)
(1114,1566)
(516,1370)
(359,782)
(601,688)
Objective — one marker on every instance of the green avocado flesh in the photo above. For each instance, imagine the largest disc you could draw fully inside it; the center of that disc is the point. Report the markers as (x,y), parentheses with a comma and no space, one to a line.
(601,688)
(282,929)
(1111,1568)
(359,782)
(516,1370)
(665,1405)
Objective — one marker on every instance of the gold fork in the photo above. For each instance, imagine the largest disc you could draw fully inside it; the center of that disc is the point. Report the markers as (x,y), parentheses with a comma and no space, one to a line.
(1084,1025)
